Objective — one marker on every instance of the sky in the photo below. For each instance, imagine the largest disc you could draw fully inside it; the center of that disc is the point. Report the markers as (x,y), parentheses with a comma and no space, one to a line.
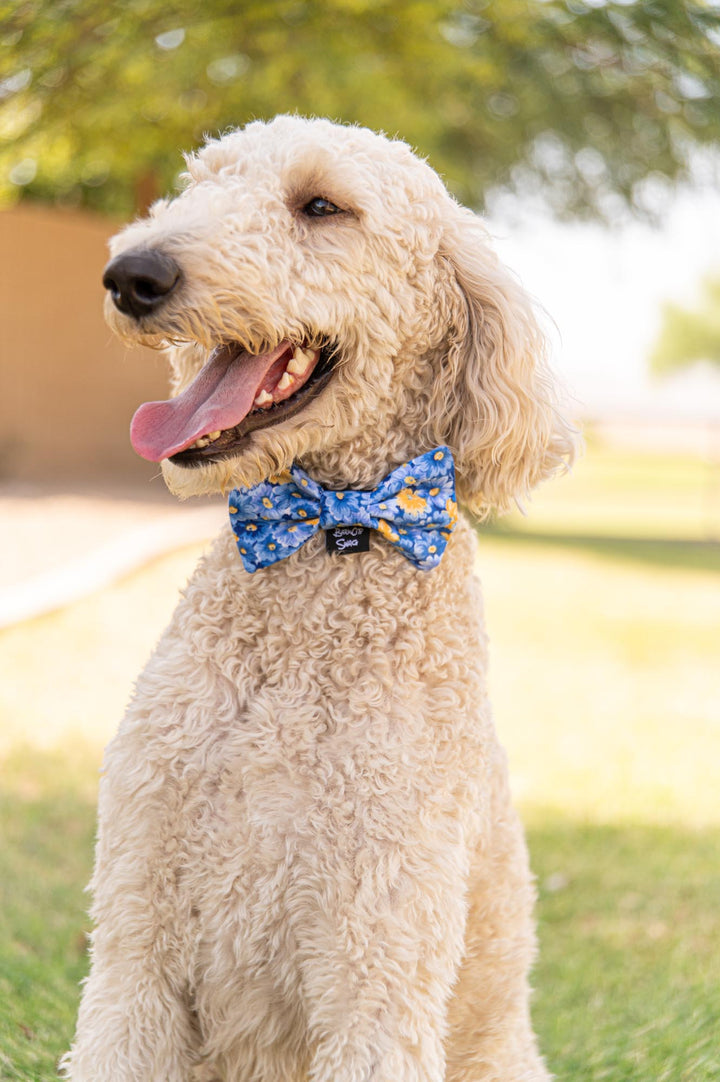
(604,290)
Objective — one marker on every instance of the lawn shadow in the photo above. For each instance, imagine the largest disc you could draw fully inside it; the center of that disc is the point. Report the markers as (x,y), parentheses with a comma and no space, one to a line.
(692,555)
(626,983)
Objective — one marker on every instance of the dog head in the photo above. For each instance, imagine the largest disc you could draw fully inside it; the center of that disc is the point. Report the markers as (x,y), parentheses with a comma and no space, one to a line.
(325,301)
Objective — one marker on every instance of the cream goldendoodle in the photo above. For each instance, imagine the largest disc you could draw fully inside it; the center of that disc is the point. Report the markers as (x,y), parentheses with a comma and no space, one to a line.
(307,864)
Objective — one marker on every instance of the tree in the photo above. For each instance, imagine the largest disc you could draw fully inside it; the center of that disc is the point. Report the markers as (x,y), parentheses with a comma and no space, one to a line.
(689,334)
(578,99)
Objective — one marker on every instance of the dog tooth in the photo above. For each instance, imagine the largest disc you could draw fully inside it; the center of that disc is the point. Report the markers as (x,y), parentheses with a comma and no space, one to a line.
(299,363)
(286,381)
(214,435)
(263,399)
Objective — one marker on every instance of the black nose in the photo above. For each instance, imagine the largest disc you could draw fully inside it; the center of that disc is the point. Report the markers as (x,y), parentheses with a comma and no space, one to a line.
(140,281)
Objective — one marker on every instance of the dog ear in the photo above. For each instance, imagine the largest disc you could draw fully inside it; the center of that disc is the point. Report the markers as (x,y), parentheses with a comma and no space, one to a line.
(495,399)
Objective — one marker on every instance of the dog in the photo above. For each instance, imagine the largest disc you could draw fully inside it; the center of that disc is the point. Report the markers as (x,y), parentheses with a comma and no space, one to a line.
(308,866)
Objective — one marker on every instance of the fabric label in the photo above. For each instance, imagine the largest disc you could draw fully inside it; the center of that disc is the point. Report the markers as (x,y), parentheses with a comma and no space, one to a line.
(347,539)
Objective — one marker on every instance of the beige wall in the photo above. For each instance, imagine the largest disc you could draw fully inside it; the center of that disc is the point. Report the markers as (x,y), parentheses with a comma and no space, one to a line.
(68,388)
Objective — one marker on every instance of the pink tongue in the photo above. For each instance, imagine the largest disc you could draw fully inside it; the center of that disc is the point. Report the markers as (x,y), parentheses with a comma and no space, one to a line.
(219,397)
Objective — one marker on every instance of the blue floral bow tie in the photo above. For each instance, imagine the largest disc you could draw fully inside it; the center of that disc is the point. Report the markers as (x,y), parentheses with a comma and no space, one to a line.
(414,509)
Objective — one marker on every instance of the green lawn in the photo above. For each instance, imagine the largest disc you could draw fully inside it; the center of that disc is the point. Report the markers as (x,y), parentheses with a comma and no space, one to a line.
(614,492)
(604,676)
(627,980)
(47,827)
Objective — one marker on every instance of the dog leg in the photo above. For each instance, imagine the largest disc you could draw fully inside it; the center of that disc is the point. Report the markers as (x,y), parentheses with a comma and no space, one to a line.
(129,1030)
(379,965)
(135,1024)
(490,1034)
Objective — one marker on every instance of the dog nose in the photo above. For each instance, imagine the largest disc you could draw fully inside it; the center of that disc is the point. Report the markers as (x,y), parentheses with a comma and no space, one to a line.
(140,281)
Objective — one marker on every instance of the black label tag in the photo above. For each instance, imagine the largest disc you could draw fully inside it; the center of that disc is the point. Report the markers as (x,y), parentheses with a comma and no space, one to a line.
(347,539)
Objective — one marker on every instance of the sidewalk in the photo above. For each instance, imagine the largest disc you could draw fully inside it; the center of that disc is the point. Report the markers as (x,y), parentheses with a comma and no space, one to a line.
(57,545)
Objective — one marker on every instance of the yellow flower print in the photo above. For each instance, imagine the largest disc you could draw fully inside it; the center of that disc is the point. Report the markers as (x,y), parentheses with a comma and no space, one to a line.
(292,529)
(271,545)
(302,513)
(251,527)
(266,502)
(434,491)
(439,455)
(410,480)
(451,508)
(432,548)
(313,521)
(232,510)
(386,530)
(410,501)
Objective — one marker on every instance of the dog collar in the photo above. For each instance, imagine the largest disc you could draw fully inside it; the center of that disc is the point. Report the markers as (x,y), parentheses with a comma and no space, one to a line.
(414,509)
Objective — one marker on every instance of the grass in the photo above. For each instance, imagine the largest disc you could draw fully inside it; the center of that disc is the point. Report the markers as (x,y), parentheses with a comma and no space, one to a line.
(613,492)
(47,827)
(604,681)
(627,977)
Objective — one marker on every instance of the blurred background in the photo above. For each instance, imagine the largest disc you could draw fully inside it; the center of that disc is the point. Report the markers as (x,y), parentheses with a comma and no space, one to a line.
(587,132)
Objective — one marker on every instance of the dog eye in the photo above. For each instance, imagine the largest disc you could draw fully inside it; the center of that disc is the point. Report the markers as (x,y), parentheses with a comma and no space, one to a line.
(320,208)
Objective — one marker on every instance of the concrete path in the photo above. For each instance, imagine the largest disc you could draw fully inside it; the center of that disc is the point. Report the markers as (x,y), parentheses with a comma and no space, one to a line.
(57,545)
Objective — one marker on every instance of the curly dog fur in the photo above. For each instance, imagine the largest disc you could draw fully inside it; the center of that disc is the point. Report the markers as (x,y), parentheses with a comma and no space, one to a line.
(308,866)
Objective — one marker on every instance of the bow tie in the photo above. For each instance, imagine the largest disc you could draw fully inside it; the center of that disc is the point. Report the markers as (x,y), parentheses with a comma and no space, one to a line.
(413,508)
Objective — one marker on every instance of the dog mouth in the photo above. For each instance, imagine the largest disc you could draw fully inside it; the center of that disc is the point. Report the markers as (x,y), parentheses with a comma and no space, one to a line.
(234,394)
